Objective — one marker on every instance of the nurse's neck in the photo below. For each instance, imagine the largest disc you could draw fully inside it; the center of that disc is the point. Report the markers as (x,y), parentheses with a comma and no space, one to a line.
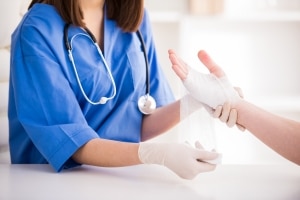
(93,18)
(91,4)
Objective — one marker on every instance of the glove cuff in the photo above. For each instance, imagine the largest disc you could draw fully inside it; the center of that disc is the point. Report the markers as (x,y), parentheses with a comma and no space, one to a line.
(150,153)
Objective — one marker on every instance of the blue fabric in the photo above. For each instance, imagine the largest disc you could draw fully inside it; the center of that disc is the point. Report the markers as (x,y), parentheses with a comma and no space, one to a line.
(49,119)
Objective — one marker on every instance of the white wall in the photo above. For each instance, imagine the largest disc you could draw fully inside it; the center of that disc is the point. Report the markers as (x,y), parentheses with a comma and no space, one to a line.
(10,15)
(259,52)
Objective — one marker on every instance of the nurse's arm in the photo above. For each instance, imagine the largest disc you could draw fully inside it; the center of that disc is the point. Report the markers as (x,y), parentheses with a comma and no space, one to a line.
(162,120)
(107,153)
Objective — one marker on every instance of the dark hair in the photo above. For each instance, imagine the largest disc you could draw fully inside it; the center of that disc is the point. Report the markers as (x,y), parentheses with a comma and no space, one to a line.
(127,13)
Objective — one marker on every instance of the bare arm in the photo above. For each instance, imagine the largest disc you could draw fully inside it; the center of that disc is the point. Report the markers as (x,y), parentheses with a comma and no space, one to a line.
(161,120)
(280,134)
(107,153)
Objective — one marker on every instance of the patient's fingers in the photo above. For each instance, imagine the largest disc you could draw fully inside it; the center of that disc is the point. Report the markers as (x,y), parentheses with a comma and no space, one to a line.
(178,65)
(210,64)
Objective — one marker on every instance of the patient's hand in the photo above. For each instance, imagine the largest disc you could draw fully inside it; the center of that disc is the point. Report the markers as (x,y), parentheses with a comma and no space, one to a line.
(212,89)
(182,69)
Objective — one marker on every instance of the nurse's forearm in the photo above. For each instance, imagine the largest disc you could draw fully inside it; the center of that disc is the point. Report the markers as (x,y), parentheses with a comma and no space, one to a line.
(107,153)
(162,120)
(280,134)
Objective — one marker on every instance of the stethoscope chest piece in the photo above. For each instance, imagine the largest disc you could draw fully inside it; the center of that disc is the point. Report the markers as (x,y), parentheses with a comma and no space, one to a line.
(146,104)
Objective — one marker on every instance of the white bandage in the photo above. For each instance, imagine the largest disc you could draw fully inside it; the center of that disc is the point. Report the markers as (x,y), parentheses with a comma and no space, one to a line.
(209,89)
(188,105)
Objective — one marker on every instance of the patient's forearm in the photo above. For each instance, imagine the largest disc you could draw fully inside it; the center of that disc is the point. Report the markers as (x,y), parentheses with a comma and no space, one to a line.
(280,134)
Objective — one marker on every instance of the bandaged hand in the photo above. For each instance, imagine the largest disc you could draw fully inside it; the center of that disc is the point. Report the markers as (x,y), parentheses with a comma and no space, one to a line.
(212,89)
(183,159)
(209,89)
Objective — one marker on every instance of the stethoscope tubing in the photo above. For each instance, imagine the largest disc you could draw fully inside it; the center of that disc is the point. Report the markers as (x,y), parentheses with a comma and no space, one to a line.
(69,45)
(143,101)
(146,62)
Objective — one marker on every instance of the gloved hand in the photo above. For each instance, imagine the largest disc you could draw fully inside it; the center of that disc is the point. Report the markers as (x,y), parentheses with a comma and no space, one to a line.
(183,159)
(227,115)
(189,104)
(215,161)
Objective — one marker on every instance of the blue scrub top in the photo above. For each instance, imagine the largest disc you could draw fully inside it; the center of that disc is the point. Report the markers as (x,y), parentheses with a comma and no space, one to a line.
(49,119)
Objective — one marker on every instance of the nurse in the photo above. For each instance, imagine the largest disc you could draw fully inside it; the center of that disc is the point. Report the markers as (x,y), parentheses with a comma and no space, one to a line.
(78,70)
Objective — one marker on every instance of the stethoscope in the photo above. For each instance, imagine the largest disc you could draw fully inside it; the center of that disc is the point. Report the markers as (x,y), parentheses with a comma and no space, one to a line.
(146,103)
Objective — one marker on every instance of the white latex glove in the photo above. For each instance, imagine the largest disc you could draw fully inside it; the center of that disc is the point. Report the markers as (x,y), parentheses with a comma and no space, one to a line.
(227,115)
(189,104)
(183,159)
(215,161)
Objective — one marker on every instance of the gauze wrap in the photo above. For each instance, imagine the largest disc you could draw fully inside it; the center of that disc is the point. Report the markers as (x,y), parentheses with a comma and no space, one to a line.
(209,89)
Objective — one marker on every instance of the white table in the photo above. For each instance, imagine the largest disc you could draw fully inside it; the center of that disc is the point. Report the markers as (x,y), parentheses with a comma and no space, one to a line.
(145,182)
